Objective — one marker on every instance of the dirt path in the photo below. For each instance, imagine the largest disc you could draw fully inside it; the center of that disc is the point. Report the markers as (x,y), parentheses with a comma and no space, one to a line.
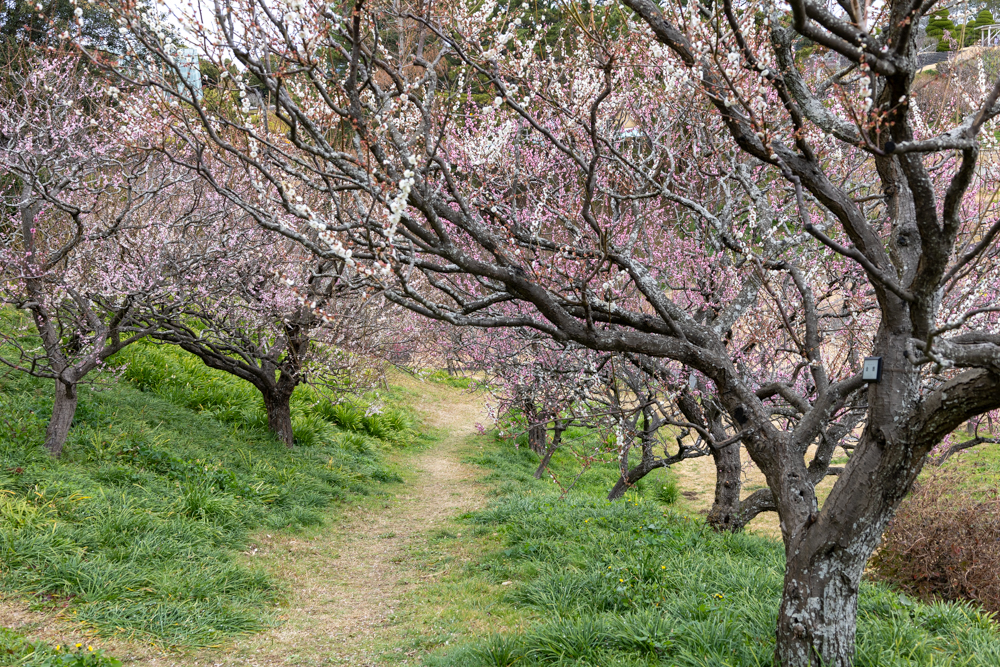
(346,580)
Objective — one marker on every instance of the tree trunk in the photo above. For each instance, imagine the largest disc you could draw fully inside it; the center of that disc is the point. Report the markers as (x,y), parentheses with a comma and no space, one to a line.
(632,477)
(725,512)
(819,607)
(826,551)
(648,464)
(63,409)
(279,416)
(556,439)
(536,428)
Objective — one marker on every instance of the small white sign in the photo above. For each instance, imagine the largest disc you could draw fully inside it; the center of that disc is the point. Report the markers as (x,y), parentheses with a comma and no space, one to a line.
(872,370)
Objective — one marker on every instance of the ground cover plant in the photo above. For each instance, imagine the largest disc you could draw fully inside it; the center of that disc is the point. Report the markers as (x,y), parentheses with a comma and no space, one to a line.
(16,650)
(637,583)
(167,469)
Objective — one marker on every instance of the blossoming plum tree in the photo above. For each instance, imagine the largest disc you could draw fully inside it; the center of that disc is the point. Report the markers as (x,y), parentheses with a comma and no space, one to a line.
(665,181)
(81,239)
(553,386)
(256,305)
(531,376)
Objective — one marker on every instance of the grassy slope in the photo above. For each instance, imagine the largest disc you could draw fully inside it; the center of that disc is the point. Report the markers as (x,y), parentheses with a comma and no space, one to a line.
(635,583)
(166,471)
(975,471)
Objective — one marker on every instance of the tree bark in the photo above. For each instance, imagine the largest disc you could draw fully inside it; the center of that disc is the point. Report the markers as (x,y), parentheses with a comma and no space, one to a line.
(537,438)
(536,427)
(826,551)
(556,440)
(725,513)
(817,620)
(279,416)
(628,480)
(63,410)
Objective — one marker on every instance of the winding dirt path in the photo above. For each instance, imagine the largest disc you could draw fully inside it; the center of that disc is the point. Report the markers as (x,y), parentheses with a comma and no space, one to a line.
(348,582)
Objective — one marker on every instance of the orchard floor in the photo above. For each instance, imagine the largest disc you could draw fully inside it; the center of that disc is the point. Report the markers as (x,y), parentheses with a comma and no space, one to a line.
(358,588)
(399,578)
(346,580)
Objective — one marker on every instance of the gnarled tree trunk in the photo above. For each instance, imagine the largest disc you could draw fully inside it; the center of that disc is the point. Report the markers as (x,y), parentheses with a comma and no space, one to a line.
(817,619)
(536,427)
(725,511)
(632,477)
(826,556)
(277,401)
(63,410)
(649,462)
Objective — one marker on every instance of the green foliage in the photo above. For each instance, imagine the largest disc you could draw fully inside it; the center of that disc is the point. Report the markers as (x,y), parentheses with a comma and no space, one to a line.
(166,472)
(21,23)
(456,381)
(983,18)
(16,650)
(966,35)
(634,583)
(936,27)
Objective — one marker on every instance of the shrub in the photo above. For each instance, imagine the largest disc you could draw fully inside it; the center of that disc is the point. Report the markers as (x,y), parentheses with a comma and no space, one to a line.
(942,544)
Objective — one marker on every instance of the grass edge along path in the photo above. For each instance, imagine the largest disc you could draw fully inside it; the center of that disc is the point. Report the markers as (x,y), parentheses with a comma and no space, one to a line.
(358,584)
(635,583)
(134,532)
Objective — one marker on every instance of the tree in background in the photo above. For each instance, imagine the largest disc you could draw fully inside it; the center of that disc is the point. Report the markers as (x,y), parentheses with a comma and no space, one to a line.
(972,35)
(531,378)
(253,304)
(48,22)
(83,234)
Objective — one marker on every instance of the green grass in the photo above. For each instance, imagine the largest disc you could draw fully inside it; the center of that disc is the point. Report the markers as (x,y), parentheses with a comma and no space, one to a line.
(167,470)
(636,583)
(443,377)
(975,470)
(17,650)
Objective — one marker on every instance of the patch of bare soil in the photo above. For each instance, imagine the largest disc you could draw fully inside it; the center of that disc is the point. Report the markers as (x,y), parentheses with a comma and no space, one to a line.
(346,582)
